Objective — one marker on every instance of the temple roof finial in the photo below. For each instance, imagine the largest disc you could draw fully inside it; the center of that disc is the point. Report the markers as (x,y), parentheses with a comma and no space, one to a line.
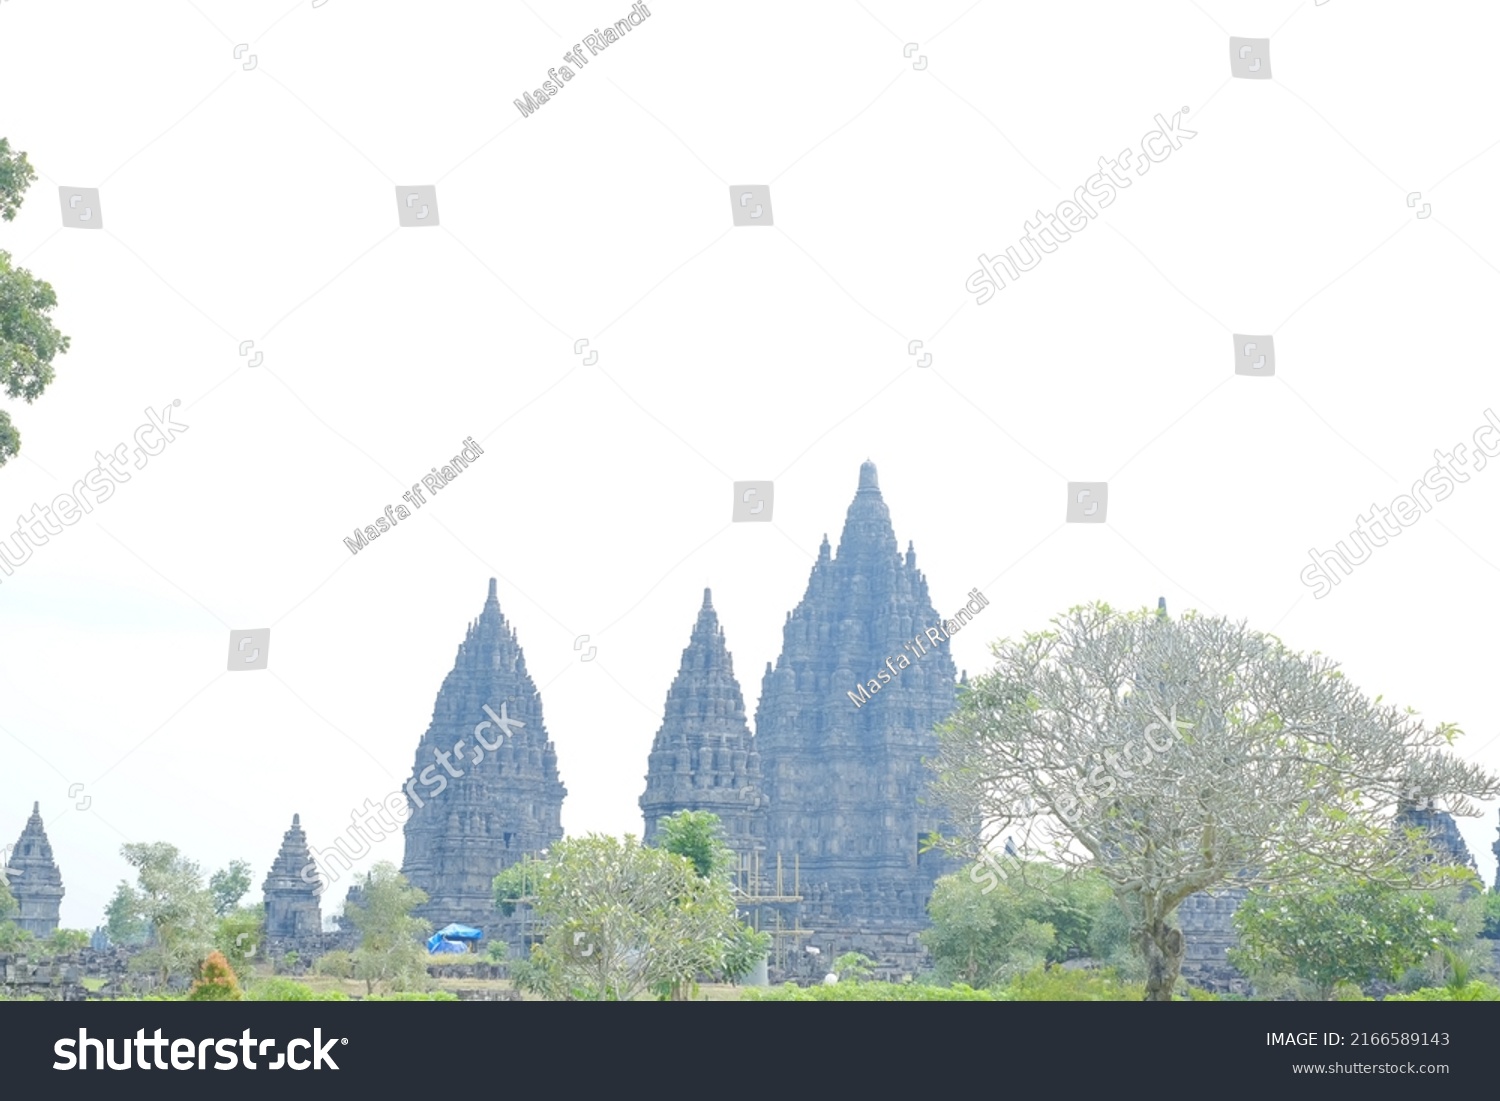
(494,597)
(867,478)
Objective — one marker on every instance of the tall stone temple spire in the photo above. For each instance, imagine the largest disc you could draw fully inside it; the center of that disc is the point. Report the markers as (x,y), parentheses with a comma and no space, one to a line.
(484,788)
(845,776)
(35,882)
(704,757)
(1442,832)
(292,903)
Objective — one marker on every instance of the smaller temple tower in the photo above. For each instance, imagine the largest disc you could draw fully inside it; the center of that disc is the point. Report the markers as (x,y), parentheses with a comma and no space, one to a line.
(35,882)
(704,757)
(1442,832)
(292,908)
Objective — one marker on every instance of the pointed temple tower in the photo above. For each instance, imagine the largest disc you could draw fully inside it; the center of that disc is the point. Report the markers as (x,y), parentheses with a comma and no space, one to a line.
(292,904)
(1442,832)
(704,757)
(481,795)
(35,882)
(846,779)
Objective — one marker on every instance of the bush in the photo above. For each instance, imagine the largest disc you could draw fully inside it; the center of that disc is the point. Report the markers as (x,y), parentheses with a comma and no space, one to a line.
(1058,985)
(336,965)
(1470,992)
(853,967)
(1491,929)
(412,996)
(64,942)
(216,981)
(870,992)
(286,990)
(13,938)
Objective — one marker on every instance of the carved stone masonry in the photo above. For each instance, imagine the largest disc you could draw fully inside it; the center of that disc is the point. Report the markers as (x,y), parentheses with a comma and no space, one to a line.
(475,812)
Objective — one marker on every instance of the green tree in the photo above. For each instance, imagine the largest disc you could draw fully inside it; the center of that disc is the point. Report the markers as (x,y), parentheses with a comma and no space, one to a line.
(8,904)
(854,967)
(1491,929)
(64,942)
(1178,756)
(516,884)
(123,924)
(13,938)
(985,932)
(28,339)
(16,175)
(169,897)
(391,949)
(747,948)
(697,835)
(336,965)
(1326,934)
(228,886)
(620,918)
(238,934)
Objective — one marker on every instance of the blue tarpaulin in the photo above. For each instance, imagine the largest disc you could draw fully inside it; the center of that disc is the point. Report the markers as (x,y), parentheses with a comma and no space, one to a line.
(448,938)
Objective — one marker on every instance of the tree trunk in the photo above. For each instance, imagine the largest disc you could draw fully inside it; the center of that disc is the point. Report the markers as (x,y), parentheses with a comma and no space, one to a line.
(1162,947)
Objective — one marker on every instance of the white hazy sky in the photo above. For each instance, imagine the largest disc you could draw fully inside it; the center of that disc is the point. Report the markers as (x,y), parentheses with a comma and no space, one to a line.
(261,205)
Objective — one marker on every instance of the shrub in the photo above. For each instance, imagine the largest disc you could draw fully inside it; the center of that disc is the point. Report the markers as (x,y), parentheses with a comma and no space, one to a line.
(287,990)
(216,981)
(1491,929)
(1055,984)
(413,996)
(1471,992)
(336,965)
(870,992)
(13,938)
(853,967)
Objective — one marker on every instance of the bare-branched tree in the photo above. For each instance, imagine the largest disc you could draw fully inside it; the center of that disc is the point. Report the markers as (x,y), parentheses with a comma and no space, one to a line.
(1177,756)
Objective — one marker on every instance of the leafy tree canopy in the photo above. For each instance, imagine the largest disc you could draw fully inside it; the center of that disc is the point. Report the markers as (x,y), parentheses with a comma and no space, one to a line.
(1177,756)
(391,949)
(229,885)
(1325,934)
(171,901)
(621,918)
(28,339)
(697,835)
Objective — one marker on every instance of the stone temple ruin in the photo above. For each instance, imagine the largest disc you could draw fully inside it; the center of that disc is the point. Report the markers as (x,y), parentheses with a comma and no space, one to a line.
(293,911)
(822,803)
(827,789)
(477,808)
(704,756)
(35,882)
